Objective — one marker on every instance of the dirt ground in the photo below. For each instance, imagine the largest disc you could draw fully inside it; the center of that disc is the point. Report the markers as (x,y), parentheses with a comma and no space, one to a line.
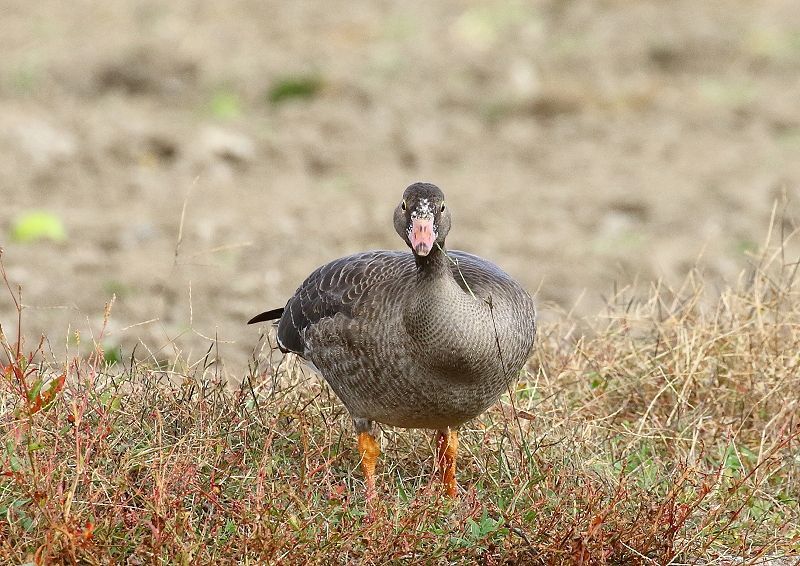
(580,144)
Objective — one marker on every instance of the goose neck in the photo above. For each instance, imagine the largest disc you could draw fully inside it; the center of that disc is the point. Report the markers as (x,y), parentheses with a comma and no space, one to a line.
(435,265)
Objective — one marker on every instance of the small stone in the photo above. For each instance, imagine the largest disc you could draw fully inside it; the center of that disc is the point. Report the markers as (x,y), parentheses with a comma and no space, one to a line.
(226,145)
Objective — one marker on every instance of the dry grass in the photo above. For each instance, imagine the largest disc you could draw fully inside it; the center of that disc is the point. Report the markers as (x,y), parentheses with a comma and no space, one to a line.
(665,431)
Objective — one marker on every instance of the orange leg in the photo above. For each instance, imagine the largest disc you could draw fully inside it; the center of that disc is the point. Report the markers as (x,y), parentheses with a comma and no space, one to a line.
(370,450)
(447,449)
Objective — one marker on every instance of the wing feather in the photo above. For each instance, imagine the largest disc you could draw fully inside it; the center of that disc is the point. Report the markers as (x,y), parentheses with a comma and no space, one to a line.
(339,287)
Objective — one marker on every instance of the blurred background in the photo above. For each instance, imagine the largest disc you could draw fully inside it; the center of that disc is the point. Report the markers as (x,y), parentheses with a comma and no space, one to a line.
(580,145)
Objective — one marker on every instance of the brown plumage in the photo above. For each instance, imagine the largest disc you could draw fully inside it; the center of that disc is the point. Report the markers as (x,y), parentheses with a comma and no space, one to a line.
(423,340)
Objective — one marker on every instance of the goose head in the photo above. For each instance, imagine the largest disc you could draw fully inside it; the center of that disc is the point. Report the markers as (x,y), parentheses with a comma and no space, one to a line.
(422,219)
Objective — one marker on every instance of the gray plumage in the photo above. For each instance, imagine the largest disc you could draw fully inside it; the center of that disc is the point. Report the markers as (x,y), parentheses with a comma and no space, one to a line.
(427,339)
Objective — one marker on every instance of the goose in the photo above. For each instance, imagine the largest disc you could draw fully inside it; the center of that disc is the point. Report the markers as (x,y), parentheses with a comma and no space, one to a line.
(428,339)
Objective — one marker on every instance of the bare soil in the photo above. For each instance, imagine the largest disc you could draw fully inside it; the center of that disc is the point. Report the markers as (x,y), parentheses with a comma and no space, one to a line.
(581,145)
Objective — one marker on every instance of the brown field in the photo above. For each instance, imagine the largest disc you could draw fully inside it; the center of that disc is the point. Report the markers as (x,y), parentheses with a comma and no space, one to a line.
(579,146)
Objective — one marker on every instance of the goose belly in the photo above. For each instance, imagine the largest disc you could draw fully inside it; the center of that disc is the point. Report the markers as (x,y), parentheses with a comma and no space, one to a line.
(442,377)
(378,383)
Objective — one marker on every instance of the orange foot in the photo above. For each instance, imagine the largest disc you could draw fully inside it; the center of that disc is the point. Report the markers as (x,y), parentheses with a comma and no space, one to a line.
(370,450)
(447,449)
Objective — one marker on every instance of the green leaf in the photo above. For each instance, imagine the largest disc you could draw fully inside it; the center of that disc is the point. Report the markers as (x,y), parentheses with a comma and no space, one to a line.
(226,104)
(13,461)
(294,87)
(401,492)
(35,226)
(33,392)
(474,529)
(112,354)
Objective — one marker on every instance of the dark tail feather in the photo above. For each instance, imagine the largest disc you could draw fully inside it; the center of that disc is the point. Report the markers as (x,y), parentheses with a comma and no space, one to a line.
(274,314)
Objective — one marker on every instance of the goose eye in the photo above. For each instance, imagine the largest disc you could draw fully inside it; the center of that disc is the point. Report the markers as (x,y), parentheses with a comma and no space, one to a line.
(442,209)
(403,204)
